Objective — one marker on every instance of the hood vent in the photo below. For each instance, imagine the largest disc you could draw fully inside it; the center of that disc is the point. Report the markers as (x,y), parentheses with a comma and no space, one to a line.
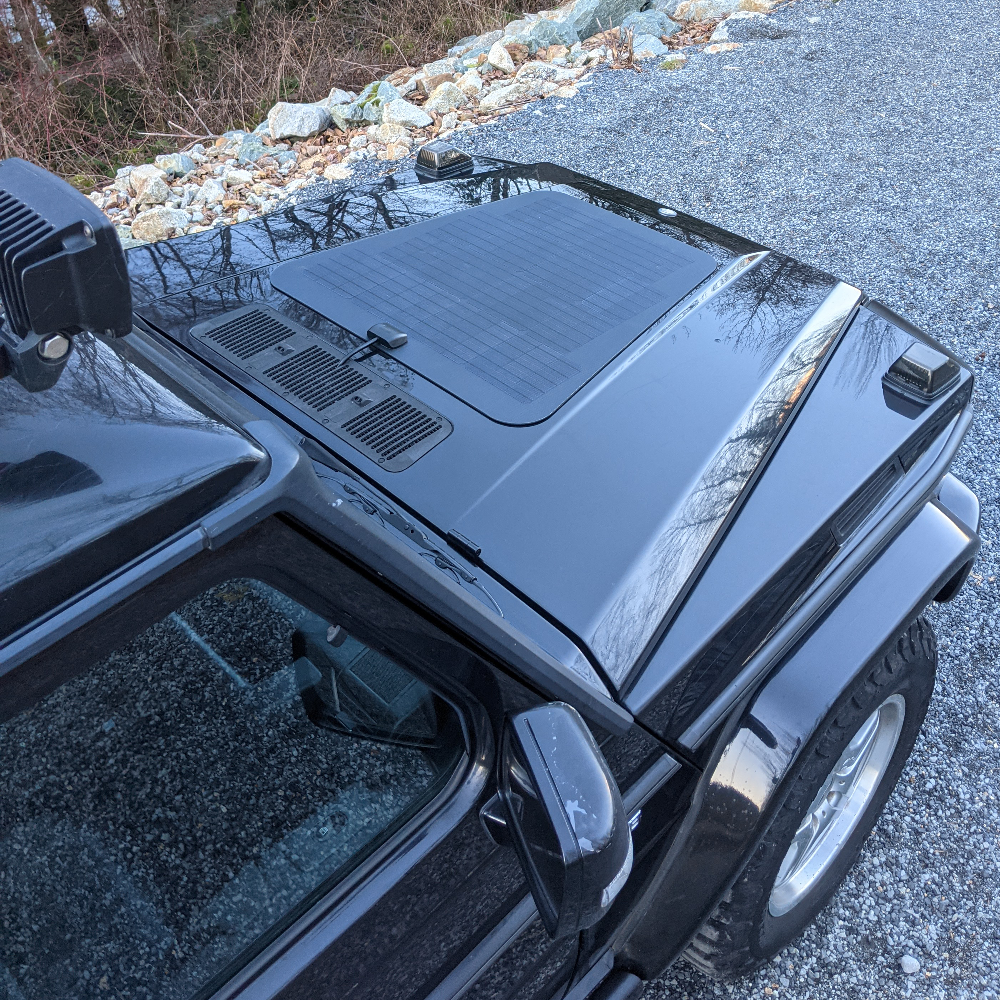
(345,399)
(391,428)
(317,378)
(249,332)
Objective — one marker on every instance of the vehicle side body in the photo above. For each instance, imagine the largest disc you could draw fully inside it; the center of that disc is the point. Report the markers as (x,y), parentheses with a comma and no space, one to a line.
(674,551)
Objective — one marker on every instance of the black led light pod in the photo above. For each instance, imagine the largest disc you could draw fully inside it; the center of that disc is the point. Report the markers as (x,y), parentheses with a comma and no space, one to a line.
(62,272)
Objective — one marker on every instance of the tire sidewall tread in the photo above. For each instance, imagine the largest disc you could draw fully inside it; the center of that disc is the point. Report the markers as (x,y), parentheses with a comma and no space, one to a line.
(742,933)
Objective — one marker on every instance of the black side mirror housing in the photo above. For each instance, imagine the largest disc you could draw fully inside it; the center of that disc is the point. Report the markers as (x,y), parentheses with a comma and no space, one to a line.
(565,816)
(62,272)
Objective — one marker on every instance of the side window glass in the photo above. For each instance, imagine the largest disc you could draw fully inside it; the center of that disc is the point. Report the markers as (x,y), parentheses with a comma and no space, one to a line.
(167,812)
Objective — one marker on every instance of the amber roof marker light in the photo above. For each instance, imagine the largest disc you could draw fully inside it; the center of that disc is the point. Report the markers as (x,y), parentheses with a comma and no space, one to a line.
(439,160)
(922,372)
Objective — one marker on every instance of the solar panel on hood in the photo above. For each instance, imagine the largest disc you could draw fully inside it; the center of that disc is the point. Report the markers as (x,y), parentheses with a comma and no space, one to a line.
(510,306)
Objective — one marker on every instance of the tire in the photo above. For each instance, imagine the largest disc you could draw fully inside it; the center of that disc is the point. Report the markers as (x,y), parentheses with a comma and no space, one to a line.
(744,931)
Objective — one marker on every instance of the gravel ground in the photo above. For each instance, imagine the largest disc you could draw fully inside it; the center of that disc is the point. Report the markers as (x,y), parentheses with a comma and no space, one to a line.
(865,141)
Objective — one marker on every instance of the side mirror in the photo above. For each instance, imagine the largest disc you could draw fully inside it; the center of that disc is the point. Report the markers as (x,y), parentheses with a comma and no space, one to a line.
(565,817)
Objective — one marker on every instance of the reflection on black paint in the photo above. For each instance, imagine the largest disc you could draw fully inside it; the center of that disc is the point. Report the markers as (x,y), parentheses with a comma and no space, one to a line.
(49,474)
(873,351)
(870,446)
(760,313)
(708,674)
(640,610)
(179,283)
(128,461)
(170,266)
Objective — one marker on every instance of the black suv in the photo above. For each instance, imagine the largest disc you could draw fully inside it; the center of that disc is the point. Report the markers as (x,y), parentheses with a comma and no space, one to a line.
(484,583)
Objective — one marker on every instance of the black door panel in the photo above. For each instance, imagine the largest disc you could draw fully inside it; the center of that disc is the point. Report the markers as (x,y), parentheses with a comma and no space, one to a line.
(424,927)
(532,967)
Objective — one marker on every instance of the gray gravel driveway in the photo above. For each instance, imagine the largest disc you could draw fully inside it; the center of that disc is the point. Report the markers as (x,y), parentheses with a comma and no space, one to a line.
(866,140)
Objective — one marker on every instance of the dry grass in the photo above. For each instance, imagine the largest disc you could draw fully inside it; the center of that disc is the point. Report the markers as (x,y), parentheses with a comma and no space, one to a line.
(139,82)
(695,33)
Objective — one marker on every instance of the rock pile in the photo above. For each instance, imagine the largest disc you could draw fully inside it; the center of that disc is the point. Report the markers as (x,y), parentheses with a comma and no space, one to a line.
(544,55)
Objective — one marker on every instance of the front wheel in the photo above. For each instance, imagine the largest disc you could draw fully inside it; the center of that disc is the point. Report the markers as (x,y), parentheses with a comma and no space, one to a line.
(838,787)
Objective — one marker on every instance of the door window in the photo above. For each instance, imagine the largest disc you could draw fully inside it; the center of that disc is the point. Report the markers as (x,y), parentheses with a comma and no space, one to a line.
(170,810)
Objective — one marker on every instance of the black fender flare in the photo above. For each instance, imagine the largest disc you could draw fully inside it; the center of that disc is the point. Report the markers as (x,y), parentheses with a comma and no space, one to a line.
(744,782)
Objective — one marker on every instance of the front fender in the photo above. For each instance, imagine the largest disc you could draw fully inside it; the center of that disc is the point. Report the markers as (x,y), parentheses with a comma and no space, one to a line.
(745,780)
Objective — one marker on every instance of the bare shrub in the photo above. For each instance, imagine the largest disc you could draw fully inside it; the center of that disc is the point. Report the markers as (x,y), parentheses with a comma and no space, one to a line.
(84,101)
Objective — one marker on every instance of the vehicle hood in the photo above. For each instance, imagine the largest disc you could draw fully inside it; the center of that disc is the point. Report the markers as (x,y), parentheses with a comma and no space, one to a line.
(601,514)
(606,520)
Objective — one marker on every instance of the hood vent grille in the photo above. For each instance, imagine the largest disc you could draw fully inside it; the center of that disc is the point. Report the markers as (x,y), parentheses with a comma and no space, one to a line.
(391,427)
(251,332)
(349,401)
(317,378)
